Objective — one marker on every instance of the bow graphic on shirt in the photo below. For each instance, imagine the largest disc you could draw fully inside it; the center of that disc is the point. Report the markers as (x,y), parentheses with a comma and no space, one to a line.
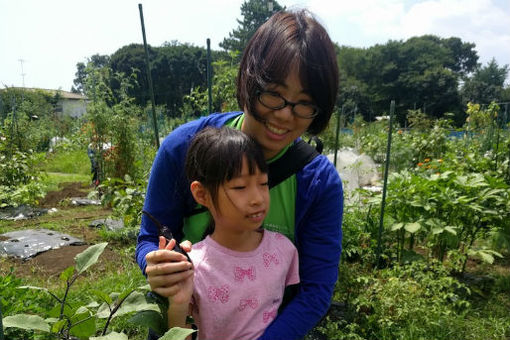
(218,293)
(240,273)
(268,316)
(252,303)
(268,258)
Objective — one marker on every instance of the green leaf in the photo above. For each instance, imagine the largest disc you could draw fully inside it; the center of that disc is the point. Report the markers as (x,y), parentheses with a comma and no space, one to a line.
(26,321)
(451,230)
(146,287)
(110,336)
(397,226)
(33,287)
(67,273)
(92,304)
(409,256)
(151,319)
(103,296)
(486,257)
(412,227)
(57,326)
(177,333)
(437,230)
(88,257)
(124,293)
(85,325)
(133,303)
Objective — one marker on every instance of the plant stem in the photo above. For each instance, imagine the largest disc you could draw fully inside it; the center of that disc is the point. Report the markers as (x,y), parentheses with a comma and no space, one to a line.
(115,311)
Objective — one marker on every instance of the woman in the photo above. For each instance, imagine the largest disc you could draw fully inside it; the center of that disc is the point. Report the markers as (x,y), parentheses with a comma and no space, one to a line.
(287,84)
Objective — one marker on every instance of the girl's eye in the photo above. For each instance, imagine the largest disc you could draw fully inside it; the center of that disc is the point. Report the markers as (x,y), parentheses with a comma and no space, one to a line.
(238,187)
(264,184)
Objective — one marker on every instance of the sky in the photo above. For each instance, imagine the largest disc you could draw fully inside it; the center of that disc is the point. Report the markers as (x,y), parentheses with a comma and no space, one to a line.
(51,37)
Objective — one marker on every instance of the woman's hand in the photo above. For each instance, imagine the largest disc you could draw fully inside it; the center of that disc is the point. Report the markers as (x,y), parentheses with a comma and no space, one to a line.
(169,273)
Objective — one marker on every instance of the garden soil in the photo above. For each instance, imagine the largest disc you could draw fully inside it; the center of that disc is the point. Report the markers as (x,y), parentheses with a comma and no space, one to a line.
(68,190)
(49,264)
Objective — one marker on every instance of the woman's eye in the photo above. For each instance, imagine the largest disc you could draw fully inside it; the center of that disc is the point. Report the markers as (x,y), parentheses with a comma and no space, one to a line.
(264,183)
(238,187)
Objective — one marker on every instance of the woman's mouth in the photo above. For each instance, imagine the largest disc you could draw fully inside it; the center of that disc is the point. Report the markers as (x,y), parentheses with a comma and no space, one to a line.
(276,130)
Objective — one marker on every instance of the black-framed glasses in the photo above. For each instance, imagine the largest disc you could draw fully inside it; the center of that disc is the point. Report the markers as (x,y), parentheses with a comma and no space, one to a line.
(273,100)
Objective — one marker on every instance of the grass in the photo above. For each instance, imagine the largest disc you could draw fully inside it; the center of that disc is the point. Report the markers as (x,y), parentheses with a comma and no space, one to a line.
(51,180)
(74,161)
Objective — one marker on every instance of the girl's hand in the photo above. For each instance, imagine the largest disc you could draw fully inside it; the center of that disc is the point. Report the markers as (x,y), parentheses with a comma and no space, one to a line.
(169,273)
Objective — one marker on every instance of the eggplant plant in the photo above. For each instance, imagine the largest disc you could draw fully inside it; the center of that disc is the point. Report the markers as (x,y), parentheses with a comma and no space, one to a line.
(68,321)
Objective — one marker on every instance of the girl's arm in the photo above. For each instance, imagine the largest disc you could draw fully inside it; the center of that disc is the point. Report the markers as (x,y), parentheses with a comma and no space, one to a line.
(177,314)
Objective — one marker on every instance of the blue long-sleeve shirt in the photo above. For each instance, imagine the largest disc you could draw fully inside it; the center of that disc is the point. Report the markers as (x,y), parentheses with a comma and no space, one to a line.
(318,220)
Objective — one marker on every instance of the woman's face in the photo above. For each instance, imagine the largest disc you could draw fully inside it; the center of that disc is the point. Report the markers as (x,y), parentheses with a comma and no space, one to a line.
(280,127)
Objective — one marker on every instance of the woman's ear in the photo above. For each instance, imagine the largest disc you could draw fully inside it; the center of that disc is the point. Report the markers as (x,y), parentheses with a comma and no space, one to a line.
(200,194)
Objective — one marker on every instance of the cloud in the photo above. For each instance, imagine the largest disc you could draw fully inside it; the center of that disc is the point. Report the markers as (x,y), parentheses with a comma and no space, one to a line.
(483,22)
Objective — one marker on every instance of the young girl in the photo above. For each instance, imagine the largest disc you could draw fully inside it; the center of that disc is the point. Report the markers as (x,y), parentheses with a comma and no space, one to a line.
(240,269)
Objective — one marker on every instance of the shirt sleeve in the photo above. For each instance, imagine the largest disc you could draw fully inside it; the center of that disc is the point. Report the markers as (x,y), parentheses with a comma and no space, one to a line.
(319,244)
(165,198)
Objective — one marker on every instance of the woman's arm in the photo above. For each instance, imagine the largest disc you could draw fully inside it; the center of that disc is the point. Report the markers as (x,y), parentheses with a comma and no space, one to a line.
(318,237)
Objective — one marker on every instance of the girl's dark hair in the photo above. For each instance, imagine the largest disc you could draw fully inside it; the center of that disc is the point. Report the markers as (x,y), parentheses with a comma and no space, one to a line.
(216,155)
(286,40)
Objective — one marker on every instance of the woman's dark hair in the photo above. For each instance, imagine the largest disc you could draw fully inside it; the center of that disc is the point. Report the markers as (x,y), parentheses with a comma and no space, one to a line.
(287,40)
(216,155)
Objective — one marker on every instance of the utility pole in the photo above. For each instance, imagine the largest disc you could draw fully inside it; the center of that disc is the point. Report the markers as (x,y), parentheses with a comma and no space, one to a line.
(21,61)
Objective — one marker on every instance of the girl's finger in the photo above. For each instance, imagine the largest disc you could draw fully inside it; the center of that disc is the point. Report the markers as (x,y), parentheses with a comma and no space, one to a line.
(186,246)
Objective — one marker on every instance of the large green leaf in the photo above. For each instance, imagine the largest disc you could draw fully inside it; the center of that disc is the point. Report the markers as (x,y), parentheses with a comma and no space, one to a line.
(133,303)
(177,333)
(451,230)
(26,321)
(412,227)
(89,256)
(397,226)
(111,336)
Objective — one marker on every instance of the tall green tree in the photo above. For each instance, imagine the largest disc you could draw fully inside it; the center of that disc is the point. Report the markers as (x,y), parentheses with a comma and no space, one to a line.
(486,84)
(96,61)
(254,13)
(421,72)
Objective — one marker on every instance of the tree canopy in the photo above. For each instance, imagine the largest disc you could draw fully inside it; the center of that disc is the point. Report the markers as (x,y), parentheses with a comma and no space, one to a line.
(428,73)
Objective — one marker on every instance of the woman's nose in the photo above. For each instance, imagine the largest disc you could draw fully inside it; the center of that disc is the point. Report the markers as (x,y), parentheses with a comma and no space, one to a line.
(285,113)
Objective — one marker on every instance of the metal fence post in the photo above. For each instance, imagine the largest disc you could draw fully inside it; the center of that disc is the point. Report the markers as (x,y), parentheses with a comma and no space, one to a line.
(209,73)
(386,168)
(338,132)
(149,78)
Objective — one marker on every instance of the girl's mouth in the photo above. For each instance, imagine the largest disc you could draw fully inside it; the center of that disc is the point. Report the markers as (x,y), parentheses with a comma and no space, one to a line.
(258,216)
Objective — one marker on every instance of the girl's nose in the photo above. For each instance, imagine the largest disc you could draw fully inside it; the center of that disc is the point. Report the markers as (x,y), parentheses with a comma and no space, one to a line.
(257,197)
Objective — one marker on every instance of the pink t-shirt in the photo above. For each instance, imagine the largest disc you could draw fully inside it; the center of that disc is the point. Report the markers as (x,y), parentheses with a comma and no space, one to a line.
(237,294)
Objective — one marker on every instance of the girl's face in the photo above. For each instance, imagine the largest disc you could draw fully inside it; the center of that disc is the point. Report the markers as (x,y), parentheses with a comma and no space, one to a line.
(242,202)
(280,127)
